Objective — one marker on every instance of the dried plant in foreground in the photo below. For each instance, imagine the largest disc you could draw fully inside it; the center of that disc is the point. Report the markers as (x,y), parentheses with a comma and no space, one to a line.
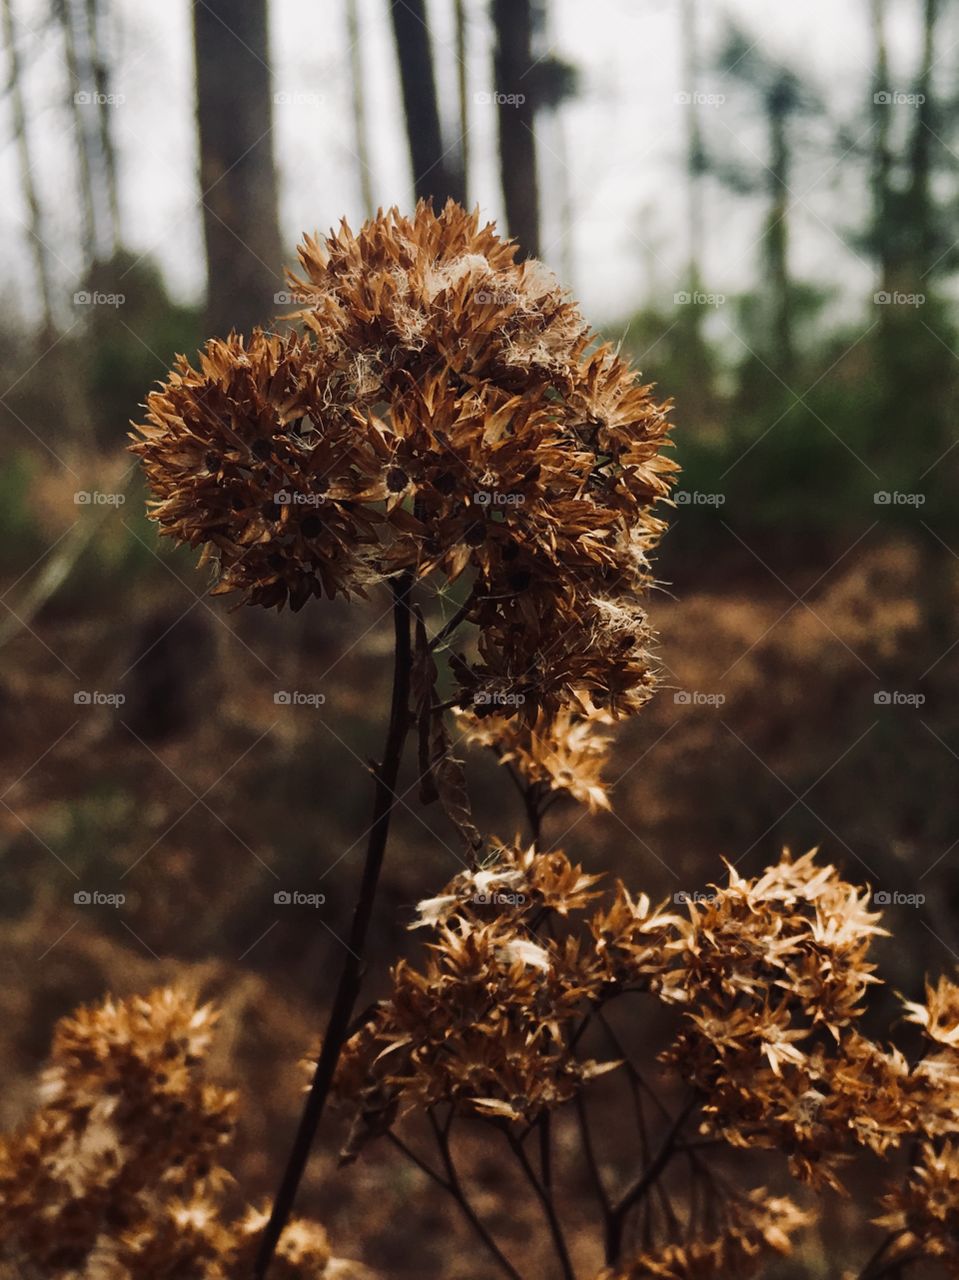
(117,1176)
(441,424)
(507,1023)
(441,419)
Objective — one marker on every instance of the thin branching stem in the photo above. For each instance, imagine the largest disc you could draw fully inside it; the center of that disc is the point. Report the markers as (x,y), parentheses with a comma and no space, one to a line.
(644,1181)
(385,775)
(455,1188)
(545,1197)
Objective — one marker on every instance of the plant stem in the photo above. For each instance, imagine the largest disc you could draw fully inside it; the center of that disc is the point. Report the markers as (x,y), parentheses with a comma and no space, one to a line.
(384,796)
(643,1183)
(549,1208)
(455,1188)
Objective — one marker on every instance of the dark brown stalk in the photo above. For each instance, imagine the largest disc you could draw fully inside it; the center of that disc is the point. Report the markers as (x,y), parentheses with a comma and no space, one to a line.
(455,1188)
(384,798)
(642,1184)
(545,1197)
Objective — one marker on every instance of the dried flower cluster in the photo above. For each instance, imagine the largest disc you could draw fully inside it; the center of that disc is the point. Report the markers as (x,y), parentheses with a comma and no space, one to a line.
(118,1175)
(442,409)
(767,978)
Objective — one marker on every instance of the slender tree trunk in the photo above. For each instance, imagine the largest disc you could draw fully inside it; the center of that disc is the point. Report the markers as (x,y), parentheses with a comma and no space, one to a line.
(462,86)
(920,151)
(238,184)
(881,154)
(516,113)
(776,239)
(933,424)
(80,86)
(358,86)
(435,172)
(98,16)
(694,149)
(35,225)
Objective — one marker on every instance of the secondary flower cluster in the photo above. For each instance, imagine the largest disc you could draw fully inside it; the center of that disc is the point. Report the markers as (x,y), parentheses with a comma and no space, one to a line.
(117,1175)
(767,977)
(443,409)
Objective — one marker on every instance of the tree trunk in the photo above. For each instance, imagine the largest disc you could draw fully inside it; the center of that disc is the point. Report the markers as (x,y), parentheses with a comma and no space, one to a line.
(694,148)
(881,154)
(776,238)
(238,185)
(97,16)
(80,86)
(35,228)
(359,108)
(462,87)
(435,171)
(516,113)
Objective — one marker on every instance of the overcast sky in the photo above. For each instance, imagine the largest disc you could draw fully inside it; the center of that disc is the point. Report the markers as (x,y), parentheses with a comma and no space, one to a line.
(620,142)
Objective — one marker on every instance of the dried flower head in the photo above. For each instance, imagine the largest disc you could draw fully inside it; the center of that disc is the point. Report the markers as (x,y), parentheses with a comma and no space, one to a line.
(117,1176)
(442,411)
(563,754)
(757,1227)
